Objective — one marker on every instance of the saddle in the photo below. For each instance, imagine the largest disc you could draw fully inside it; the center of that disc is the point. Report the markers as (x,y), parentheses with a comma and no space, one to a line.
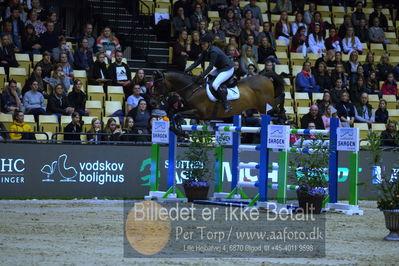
(230,83)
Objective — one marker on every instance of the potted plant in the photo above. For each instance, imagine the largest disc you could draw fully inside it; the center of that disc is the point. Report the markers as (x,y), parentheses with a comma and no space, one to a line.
(309,172)
(388,188)
(196,187)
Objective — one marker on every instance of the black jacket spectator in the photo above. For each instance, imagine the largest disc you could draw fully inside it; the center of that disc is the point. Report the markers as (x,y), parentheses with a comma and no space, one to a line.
(345,109)
(57,105)
(83,59)
(362,33)
(97,71)
(324,81)
(381,116)
(124,75)
(49,39)
(388,139)
(308,118)
(72,128)
(382,17)
(7,55)
(77,100)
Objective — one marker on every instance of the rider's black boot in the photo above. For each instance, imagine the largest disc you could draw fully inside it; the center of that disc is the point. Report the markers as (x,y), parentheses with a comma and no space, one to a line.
(222,93)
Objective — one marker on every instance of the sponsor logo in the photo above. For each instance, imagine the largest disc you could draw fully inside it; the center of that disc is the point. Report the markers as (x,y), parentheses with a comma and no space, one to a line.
(12,171)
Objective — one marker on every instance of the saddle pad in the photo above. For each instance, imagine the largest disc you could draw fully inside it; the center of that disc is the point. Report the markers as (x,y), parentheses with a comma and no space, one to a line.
(232,94)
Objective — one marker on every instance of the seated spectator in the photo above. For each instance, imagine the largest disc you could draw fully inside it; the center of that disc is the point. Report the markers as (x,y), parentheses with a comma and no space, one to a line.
(381,115)
(283,5)
(196,17)
(364,112)
(203,4)
(217,31)
(322,77)
(359,73)
(88,35)
(353,63)
(52,17)
(267,32)
(35,22)
(18,26)
(218,5)
(305,81)
(376,33)
(362,31)
(181,21)
(384,68)
(233,42)
(133,100)
(77,98)
(339,73)
(283,29)
(312,117)
(318,20)
(337,91)
(11,98)
(389,137)
(83,57)
(185,4)
(59,77)
(7,55)
(46,65)
(333,41)
(139,78)
(299,41)
(369,65)
(141,116)
(316,41)
(36,76)
(247,59)
(358,14)
(326,59)
(180,53)
(344,27)
(294,138)
(30,41)
(298,23)
(378,14)
(235,6)
(250,43)
(324,102)
(345,110)
(107,43)
(18,124)
(357,90)
(307,137)
(62,48)
(251,71)
(232,52)
(256,12)
(120,74)
(372,84)
(237,71)
(203,28)
(98,71)
(7,30)
(74,127)
(58,103)
(329,112)
(49,39)
(351,43)
(390,87)
(41,12)
(247,31)
(338,59)
(129,131)
(255,22)
(34,101)
(66,67)
(195,46)
(95,131)
(308,14)
(112,130)
(266,52)
(231,25)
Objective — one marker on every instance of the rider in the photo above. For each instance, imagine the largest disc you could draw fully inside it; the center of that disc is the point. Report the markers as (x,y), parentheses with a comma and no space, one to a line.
(224,68)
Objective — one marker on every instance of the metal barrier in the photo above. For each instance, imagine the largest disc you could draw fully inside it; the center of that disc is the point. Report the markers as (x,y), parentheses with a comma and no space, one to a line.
(7,139)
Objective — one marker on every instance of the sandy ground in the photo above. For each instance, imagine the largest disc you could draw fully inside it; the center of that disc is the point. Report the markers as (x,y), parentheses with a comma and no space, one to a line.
(87,232)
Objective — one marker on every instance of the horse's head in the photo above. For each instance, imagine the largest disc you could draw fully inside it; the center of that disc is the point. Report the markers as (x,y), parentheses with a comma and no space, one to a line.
(160,87)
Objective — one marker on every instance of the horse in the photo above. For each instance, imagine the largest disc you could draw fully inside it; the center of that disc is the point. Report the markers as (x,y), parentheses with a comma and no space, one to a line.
(256,92)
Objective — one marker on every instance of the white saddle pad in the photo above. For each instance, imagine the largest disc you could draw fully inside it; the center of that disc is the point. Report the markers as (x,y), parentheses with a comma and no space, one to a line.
(232,93)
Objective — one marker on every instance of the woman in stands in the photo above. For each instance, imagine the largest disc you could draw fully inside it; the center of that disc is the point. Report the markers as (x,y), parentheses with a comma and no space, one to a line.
(247,59)
(58,77)
(328,113)
(8,31)
(180,53)
(372,84)
(195,46)
(322,77)
(231,25)
(141,116)
(339,73)
(344,27)
(384,68)
(369,65)
(11,98)
(357,90)
(98,71)
(140,79)
(390,86)
(266,52)
(66,67)
(333,41)
(95,131)
(338,58)
(18,124)
(298,23)
(345,110)
(283,28)
(58,103)
(36,76)
(324,103)
(30,41)
(83,56)
(112,130)
(299,41)
(318,20)
(46,65)
(196,17)
(255,22)
(34,101)
(37,24)
(77,98)
(353,63)
(359,73)
(337,91)
(351,43)
(129,127)
(381,114)
(74,127)
(107,43)
(305,81)
(267,32)
(316,41)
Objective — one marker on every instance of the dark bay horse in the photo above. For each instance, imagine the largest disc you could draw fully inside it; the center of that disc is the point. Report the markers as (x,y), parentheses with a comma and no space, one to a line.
(255,93)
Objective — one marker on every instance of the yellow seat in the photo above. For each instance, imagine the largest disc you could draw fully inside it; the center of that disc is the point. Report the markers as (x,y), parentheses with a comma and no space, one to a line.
(162,10)
(111,107)
(297,59)
(18,74)
(296,70)
(65,120)
(394,60)
(393,114)
(265,18)
(115,93)
(164,4)
(262,6)
(290,112)
(301,111)
(377,48)
(338,21)
(48,123)
(197,70)
(288,101)
(364,129)
(3,77)
(82,76)
(95,108)
(43,137)
(30,120)
(391,101)
(37,58)
(287,85)
(281,46)
(392,37)
(146,7)
(378,127)
(393,49)
(281,69)
(243,4)
(367,10)
(374,101)
(213,16)
(302,99)
(275,18)
(24,61)
(95,93)
(6,119)
(170,58)
(338,11)
(283,58)
(87,122)
(317,96)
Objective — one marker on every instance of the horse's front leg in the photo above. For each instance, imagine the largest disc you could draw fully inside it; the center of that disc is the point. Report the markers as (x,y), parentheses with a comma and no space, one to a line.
(177,120)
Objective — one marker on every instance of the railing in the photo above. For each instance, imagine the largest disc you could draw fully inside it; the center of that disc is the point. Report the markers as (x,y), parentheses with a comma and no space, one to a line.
(32,140)
(54,138)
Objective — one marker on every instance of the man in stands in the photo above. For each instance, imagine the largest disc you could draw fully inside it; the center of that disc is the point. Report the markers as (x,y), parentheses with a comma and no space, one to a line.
(7,55)
(251,42)
(49,39)
(235,6)
(327,58)
(390,136)
(19,125)
(88,35)
(17,26)
(256,12)
(312,117)
(120,74)
(364,111)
